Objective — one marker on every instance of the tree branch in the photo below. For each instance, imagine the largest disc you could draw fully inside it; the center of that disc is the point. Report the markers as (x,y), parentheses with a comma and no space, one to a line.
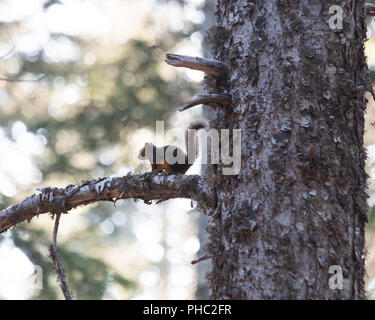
(210,66)
(57,264)
(9,52)
(148,186)
(367,87)
(23,80)
(370,9)
(213,100)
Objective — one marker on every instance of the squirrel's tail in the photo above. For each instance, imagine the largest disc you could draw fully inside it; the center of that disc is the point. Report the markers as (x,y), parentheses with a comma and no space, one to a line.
(191,140)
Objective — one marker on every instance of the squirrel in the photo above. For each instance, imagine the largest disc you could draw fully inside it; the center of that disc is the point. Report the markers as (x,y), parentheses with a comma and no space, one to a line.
(171,159)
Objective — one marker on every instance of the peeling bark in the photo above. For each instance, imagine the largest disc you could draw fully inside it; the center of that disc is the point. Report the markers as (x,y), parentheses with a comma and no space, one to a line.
(298,205)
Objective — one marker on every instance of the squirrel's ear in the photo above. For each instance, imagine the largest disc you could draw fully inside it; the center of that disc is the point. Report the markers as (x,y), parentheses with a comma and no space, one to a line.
(142,153)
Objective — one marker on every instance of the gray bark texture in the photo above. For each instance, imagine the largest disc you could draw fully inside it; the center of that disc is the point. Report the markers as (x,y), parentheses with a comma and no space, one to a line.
(298,206)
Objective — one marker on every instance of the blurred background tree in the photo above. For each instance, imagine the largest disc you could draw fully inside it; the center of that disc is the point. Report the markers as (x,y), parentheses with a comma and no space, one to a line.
(103,84)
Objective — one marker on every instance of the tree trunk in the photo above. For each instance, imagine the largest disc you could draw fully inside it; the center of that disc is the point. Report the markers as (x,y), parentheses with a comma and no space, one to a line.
(298,205)
(202,291)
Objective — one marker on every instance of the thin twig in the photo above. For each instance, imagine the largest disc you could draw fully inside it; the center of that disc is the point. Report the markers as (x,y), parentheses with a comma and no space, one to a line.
(55,258)
(13,45)
(49,3)
(9,52)
(23,80)
(201,259)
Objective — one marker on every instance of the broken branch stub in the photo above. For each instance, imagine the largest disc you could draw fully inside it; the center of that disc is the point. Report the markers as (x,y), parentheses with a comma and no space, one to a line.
(213,100)
(370,9)
(213,67)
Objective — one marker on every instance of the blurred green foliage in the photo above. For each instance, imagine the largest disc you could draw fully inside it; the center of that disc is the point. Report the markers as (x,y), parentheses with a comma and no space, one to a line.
(118,94)
(87,277)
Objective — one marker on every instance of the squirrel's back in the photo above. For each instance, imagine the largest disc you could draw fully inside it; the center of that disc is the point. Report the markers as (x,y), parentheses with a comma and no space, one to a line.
(172,158)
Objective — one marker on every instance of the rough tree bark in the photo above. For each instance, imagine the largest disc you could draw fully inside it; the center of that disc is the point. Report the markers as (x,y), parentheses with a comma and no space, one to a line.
(294,87)
(298,206)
